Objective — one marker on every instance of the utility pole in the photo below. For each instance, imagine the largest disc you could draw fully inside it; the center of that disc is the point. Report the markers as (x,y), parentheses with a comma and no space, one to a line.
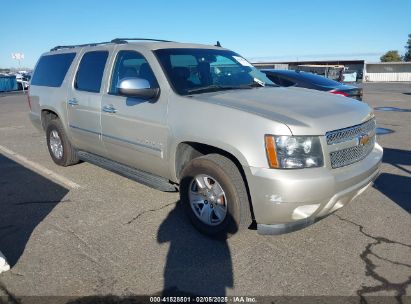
(19,57)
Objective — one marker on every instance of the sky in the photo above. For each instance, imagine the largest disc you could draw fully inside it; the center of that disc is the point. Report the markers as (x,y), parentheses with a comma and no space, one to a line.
(260,30)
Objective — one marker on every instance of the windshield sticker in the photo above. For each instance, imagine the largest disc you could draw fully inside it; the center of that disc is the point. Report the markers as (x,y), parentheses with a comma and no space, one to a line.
(242,61)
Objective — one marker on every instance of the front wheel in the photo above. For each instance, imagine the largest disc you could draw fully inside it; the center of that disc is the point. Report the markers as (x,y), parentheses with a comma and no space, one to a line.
(214,195)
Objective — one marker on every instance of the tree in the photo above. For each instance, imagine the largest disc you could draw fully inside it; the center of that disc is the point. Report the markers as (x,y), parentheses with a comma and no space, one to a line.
(391,56)
(407,56)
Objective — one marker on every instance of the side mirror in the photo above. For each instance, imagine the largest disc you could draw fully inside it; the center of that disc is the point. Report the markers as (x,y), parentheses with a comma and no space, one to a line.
(137,87)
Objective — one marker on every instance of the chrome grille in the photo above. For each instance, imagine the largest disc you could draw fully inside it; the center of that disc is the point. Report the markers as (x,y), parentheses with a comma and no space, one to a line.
(341,135)
(350,155)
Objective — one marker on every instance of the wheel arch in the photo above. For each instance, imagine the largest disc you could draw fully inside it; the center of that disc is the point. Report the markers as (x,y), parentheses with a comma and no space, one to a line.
(189,150)
(46,116)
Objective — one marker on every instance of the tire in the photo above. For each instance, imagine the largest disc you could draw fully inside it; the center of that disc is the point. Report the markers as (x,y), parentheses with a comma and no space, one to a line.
(234,199)
(68,155)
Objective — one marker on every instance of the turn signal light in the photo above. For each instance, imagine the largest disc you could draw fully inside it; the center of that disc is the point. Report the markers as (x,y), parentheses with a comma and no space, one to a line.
(271,152)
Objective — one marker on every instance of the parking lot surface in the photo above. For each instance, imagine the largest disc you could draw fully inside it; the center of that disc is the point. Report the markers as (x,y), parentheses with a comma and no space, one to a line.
(82,230)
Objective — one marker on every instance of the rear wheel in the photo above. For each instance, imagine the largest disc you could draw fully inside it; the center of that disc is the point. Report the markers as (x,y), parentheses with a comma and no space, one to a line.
(59,146)
(214,195)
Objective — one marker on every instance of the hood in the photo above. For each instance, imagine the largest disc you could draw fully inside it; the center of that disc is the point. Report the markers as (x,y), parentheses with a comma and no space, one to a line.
(304,111)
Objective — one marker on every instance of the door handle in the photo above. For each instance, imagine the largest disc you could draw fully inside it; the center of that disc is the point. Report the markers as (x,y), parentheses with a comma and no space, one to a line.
(73,102)
(109,109)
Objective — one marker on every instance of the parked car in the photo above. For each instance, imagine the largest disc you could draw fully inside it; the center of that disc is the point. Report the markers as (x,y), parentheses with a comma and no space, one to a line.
(23,81)
(288,78)
(203,120)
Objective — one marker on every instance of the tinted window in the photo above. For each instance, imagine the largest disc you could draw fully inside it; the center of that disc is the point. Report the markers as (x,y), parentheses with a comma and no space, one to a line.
(90,71)
(52,69)
(274,78)
(277,79)
(284,82)
(317,79)
(131,64)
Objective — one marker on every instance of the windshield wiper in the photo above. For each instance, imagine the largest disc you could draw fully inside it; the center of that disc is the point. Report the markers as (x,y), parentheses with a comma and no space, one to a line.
(214,88)
(257,85)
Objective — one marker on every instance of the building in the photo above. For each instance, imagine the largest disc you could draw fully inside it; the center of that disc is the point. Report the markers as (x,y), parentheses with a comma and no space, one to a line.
(370,72)
(327,68)
(353,65)
(388,71)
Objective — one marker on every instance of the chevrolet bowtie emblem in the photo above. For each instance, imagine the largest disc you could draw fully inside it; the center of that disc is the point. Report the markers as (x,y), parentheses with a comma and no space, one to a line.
(363,139)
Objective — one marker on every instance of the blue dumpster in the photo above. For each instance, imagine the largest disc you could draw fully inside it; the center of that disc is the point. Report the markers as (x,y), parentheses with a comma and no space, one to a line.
(8,83)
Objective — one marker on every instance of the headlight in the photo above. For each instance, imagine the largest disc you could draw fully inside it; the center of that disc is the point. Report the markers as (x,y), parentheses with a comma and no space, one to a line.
(290,152)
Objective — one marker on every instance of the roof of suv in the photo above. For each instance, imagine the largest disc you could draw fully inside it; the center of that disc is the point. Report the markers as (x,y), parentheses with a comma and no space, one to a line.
(151,45)
(175,45)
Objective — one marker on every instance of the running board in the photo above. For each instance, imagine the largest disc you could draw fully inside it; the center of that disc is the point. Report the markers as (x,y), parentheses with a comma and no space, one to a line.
(150,180)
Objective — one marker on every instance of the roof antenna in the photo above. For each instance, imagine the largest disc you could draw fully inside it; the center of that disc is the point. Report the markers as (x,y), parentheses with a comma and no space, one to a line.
(218,44)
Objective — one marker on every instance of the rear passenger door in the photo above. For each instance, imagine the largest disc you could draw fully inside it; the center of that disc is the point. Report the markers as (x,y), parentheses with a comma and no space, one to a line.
(84,102)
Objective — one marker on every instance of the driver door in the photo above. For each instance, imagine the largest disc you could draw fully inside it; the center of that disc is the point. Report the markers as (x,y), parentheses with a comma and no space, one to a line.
(134,130)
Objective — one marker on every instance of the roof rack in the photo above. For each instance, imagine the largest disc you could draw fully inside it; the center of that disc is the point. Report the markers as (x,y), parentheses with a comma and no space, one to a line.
(124,40)
(116,40)
(59,47)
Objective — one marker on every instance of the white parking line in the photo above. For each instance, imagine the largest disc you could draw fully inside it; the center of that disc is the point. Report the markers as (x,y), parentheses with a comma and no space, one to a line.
(39,168)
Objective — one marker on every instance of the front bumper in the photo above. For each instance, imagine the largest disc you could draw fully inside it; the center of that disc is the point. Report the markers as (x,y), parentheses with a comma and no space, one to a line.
(286,200)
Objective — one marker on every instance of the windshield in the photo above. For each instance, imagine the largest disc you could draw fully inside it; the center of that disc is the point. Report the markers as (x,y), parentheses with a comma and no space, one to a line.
(194,71)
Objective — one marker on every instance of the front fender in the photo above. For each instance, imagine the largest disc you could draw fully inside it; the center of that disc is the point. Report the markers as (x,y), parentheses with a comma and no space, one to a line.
(234,131)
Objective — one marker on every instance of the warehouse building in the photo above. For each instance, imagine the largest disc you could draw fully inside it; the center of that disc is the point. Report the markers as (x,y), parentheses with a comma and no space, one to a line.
(387,72)
(369,72)
(329,68)
(355,65)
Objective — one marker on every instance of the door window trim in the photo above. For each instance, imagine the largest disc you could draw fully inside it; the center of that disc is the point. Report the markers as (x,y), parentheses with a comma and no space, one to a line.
(102,76)
(113,66)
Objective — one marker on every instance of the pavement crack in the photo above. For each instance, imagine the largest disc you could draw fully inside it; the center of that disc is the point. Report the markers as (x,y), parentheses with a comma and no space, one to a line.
(147,211)
(71,232)
(376,238)
(90,258)
(370,267)
(393,262)
(13,272)
(11,298)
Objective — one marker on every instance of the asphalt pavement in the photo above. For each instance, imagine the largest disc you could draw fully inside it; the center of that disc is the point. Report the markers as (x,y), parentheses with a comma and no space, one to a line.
(82,230)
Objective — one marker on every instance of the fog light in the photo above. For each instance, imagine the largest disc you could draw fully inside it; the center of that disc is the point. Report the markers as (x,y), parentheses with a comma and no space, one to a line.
(305,211)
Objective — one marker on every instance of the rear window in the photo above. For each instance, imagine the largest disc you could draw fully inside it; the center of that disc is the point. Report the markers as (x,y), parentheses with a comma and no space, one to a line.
(90,71)
(280,80)
(317,79)
(52,69)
